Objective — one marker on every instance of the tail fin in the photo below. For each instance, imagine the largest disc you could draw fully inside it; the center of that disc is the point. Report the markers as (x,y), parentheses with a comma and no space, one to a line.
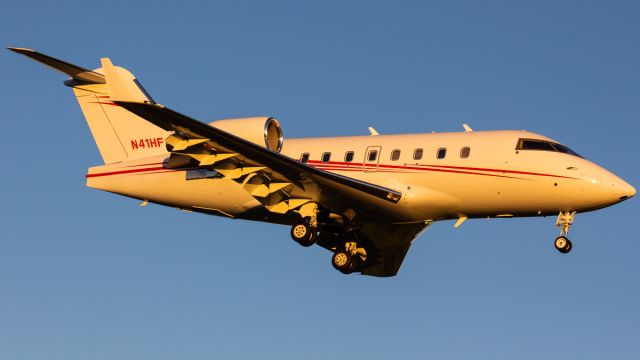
(119,134)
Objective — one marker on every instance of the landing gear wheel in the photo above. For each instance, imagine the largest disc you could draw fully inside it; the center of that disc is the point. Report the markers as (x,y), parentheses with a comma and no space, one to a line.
(342,261)
(563,244)
(355,263)
(303,234)
(312,239)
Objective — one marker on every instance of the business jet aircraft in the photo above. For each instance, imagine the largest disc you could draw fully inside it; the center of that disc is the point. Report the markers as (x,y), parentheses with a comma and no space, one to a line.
(365,198)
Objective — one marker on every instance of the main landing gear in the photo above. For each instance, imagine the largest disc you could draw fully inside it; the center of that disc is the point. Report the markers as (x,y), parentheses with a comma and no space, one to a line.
(347,256)
(303,233)
(564,222)
(349,259)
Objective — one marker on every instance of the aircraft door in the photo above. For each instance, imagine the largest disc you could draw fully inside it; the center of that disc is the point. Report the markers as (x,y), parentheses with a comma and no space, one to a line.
(371,158)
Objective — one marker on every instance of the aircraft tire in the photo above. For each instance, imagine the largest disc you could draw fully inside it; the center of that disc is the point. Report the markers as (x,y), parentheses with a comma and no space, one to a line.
(342,261)
(303,234)
(310,241)
(355,264)
(563,244)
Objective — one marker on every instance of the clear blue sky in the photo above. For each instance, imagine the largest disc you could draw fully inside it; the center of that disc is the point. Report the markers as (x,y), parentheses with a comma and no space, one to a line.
(90,275)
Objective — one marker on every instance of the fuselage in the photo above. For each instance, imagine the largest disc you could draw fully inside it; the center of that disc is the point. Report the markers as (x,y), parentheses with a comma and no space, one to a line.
(441,176)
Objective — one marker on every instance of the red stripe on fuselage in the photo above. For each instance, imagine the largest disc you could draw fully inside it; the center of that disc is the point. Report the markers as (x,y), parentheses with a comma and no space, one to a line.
(410,170)
(501,170)
(358,167)
(120,172)
(428,167)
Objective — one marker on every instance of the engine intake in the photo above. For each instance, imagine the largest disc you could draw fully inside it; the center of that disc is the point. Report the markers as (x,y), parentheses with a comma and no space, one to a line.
(264,131)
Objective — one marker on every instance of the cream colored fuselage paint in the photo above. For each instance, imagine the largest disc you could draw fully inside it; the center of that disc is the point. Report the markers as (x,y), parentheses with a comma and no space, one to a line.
(495,179)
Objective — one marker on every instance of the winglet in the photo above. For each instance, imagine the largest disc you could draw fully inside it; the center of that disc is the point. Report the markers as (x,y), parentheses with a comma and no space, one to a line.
(75,71)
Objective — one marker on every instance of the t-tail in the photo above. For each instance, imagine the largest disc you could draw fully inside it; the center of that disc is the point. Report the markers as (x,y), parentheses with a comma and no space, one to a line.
(119,134)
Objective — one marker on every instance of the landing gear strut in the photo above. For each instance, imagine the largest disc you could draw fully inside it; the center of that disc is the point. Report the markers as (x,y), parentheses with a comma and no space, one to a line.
(349,259)
(564,222)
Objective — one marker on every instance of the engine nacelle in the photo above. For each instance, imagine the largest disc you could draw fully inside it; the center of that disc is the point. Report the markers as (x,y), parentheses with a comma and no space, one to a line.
(264,131)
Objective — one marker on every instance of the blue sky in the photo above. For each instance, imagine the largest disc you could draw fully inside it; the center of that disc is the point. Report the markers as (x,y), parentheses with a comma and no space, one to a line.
(86,274)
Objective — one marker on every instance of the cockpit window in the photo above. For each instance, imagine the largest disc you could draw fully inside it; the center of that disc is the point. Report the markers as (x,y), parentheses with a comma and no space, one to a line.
(527,144)
(537,144)
(564,149)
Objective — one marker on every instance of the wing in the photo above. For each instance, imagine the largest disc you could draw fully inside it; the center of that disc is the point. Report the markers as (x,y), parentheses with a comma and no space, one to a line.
(281,183)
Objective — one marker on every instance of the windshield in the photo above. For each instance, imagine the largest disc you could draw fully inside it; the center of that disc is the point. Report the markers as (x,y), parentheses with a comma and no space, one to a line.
(536,144)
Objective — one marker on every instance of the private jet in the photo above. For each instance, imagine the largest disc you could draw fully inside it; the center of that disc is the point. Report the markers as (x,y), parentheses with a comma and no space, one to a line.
(364,198)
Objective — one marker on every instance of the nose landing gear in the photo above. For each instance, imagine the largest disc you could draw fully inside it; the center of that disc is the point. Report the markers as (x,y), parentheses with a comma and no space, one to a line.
(564,222)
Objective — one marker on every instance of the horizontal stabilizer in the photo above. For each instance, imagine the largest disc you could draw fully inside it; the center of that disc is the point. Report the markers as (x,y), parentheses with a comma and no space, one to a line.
(76,72)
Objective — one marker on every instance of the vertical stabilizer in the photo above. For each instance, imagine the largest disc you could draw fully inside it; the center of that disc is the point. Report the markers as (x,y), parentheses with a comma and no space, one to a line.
(119,134)
(93,98)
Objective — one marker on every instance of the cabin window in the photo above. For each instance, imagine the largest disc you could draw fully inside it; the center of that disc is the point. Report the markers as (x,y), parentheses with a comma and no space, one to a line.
(326,157)
(442,152)
(304,158)
(348,156)
(417,154)
(395,155)
(464,152)
(373,155)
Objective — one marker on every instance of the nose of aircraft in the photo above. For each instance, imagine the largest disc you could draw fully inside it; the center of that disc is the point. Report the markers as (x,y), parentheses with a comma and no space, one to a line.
(606,188)
(625,189)
(618,189)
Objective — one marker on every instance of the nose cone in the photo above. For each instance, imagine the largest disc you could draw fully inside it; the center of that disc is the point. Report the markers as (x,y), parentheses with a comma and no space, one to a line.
(625,189)
(602,188)
(616,189)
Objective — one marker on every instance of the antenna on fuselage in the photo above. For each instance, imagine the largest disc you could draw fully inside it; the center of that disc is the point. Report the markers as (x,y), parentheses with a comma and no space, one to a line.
(373,131)
(467,128)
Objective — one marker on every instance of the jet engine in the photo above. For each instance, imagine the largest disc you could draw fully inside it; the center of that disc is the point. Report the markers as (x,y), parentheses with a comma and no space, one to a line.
(264,131)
